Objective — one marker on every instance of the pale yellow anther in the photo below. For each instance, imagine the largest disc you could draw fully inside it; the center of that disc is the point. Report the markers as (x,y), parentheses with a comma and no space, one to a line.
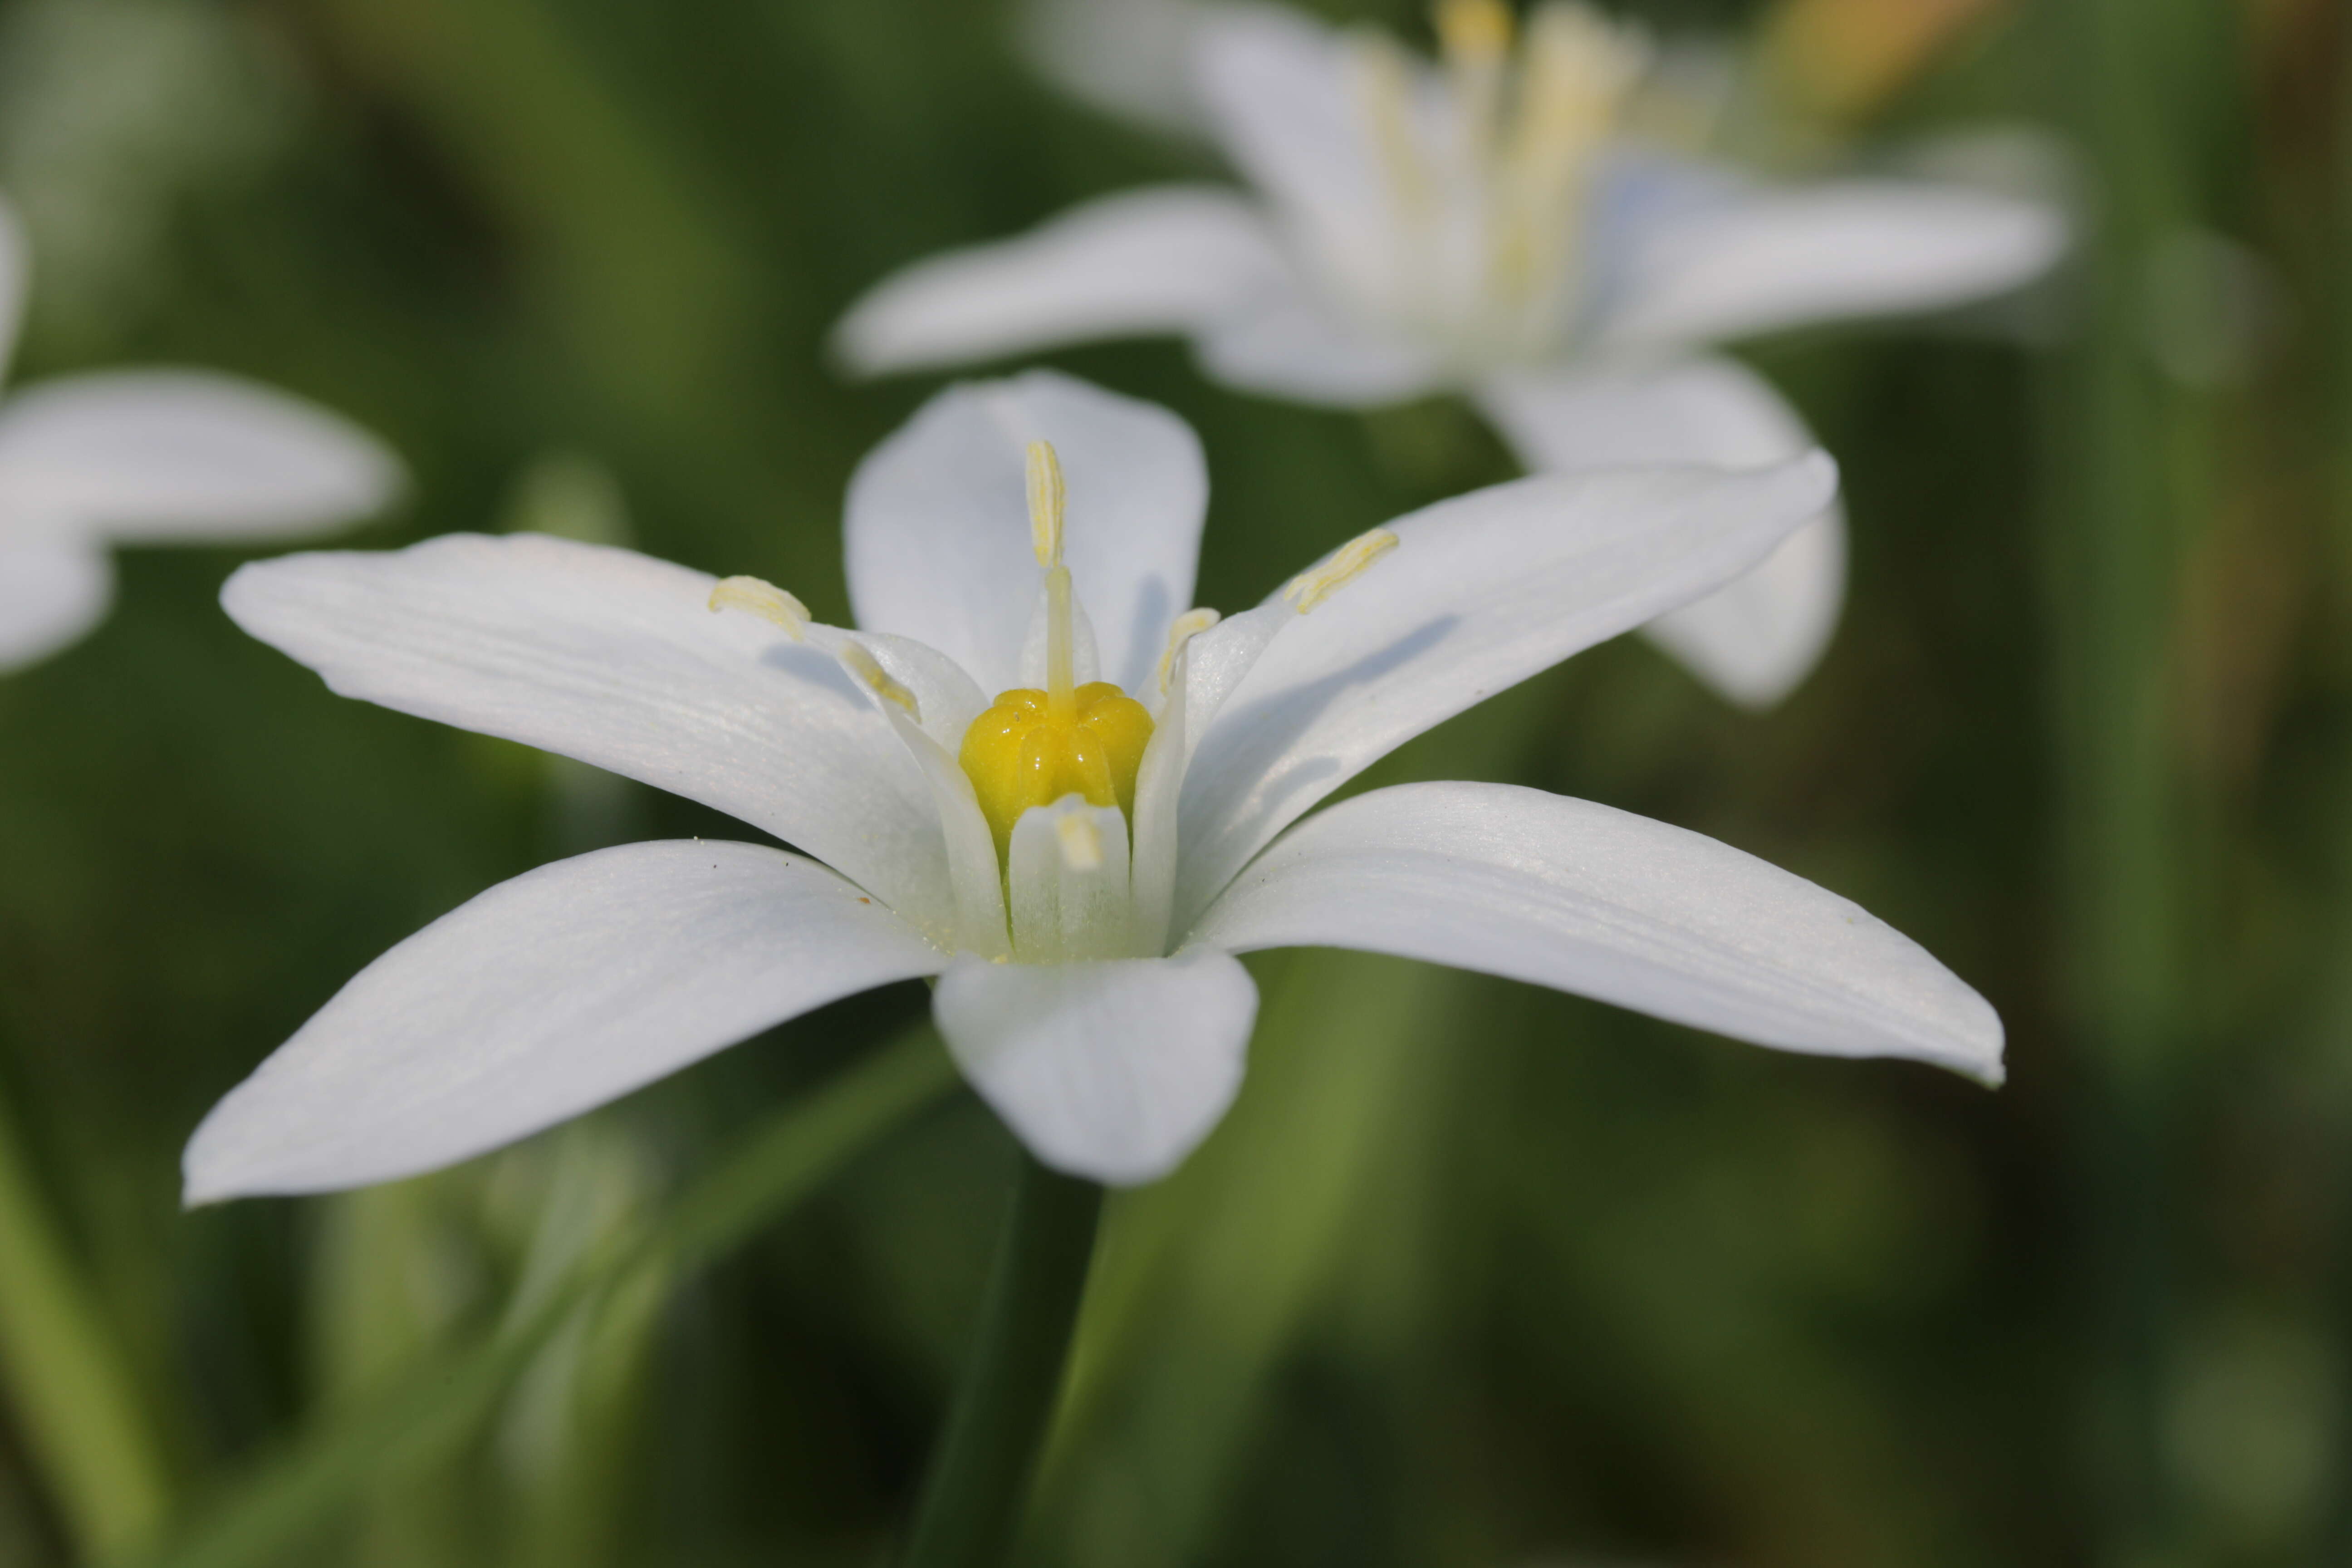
(862,664)
(1188,625)
(1082,845)
(1317,584)
(764,600)
(1048,497)
(1476,30)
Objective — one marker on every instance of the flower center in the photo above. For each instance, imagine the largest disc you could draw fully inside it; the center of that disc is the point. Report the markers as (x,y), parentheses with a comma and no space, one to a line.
(1032,747)
(1491,217)
(1021,754)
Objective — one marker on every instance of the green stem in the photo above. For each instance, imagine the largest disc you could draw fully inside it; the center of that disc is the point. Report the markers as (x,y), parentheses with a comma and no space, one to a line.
(2147,84)
(971,1501)
(73,1396)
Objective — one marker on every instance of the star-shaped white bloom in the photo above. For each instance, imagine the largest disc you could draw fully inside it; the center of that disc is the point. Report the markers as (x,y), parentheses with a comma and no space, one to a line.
(1035,773)
(1484,225)
(146,457)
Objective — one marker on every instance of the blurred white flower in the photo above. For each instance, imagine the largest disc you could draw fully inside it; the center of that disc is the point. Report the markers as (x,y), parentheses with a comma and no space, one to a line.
(145,456)
(1078,859)
(1485,225)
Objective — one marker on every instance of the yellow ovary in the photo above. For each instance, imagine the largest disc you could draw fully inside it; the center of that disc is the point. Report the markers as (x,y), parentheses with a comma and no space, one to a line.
(1020,753)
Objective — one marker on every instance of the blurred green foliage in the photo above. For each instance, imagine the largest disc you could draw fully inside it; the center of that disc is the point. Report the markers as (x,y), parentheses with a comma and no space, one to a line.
(1474,1274)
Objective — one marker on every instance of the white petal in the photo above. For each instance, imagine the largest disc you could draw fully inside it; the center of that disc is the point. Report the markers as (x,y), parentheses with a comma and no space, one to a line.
(1158,793)
(1130,58)
(1855,247)
(1066,873)
(617,660)
(1133,265)
(55,585)
(1114,1071)
(1286,101)
(16,277)
(1206,671)
(938,542)
(970,848)
(145,455)
(1604,903)
(1482,591)
(547,995)
(1291,341)
(1755,639)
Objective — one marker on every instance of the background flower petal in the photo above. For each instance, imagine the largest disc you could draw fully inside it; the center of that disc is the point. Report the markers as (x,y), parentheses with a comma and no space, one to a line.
(1755,640)
(544,997)
(1291,341)
(1113,1070)
(1288,106)
(616,659)
(1141,262)
(1482,591)
(54,584)
(187,454)
(1769,259)
(937,545)
(1582,897)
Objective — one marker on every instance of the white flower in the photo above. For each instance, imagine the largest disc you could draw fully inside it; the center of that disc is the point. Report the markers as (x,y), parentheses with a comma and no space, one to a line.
(144,457)
(1080,886)
(1483,225)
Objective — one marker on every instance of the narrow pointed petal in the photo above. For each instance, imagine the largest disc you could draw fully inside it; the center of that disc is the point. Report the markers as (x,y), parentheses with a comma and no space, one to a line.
(15,278)
(544,997)
(1287,102)
(1113,1071)
(55,585)
(939,544)
(1133,265)
(1755,639)
(1482,591)
(147,454)
(1769,259)
(617,660)
(973,873)
(1578,897)
(1129,58)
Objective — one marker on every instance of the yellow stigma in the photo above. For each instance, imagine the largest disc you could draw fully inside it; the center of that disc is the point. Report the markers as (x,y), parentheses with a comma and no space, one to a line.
(1033,747)
(1019,755)
(1317,584)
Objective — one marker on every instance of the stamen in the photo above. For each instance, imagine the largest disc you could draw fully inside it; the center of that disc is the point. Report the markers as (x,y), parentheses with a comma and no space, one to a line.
(1082,845)
(861,663)
(764,600)
(1188,625)
(1317,584)
(1577,68)
(1049,496)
